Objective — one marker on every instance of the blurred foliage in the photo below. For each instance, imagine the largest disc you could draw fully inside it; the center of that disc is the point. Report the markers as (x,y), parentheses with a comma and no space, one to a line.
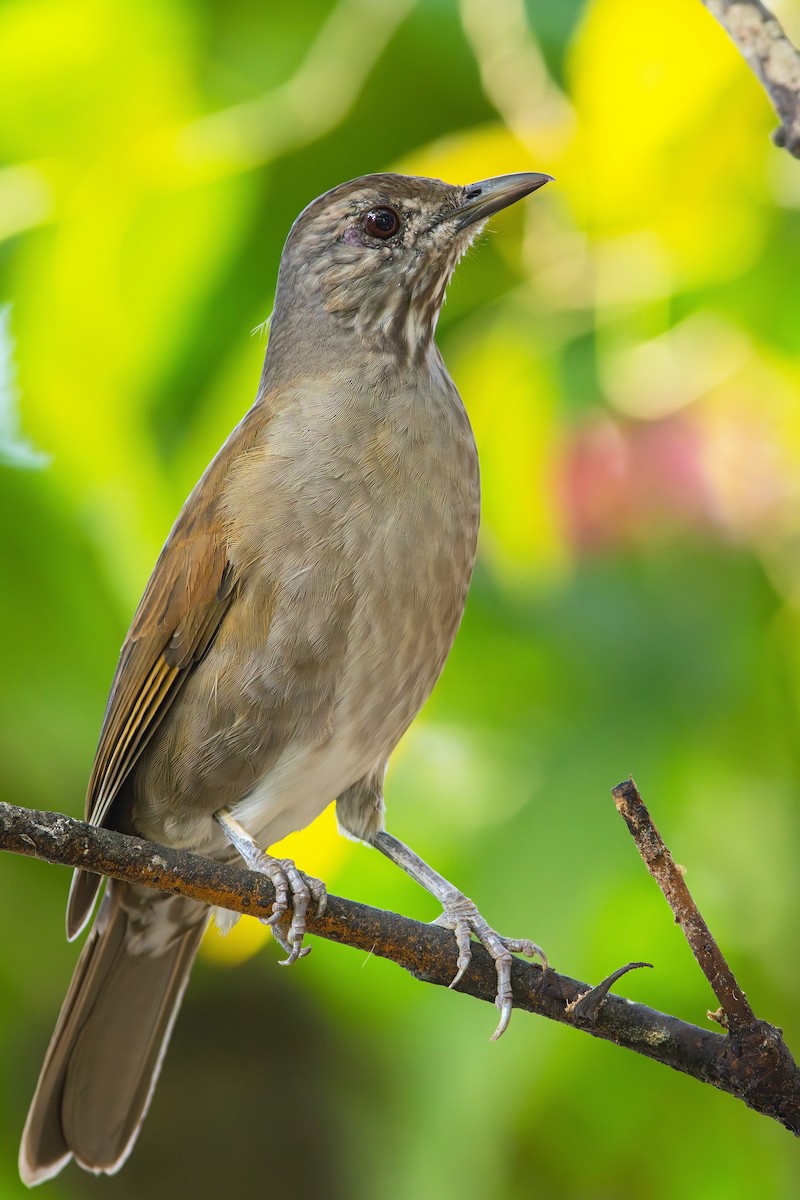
(626,343)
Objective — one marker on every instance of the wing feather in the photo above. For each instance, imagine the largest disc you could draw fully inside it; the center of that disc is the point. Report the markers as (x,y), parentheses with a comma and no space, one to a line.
(179,614)
(140,725)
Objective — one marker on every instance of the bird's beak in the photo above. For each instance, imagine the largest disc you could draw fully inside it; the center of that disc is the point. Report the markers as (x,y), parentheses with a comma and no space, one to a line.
(489,196)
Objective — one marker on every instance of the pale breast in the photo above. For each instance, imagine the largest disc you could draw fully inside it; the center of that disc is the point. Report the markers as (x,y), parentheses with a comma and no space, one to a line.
(353,528)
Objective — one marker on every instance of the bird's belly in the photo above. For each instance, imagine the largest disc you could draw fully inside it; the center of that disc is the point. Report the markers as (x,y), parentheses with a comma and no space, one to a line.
(395,652)
(294,792)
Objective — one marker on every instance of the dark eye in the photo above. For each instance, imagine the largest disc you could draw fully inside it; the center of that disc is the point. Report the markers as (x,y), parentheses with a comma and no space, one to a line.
(381,222)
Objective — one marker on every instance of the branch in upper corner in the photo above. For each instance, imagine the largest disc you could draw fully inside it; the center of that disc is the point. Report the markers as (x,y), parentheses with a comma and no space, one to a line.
(757,1069)
(739,1015)
(763,43)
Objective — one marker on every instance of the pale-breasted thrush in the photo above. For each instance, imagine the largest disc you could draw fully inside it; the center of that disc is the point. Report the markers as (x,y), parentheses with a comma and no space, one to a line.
(297,618)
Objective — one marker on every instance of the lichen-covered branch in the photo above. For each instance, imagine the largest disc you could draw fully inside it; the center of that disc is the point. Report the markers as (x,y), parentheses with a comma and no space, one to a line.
(752,1064)
(764,44)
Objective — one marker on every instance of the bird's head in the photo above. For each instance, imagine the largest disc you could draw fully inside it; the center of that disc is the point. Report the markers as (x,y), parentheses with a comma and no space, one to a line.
(376,254)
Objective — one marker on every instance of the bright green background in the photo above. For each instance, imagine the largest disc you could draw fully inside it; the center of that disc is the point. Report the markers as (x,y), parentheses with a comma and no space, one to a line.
(627,345)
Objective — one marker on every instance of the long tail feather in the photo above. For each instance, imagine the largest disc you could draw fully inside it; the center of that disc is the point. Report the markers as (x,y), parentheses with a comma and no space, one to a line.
(109,1042)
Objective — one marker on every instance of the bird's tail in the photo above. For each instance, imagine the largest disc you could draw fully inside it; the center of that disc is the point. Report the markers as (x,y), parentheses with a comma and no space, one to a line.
(106,1051)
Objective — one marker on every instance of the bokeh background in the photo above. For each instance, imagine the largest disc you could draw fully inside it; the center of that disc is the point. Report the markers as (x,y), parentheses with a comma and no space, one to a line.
(627,345)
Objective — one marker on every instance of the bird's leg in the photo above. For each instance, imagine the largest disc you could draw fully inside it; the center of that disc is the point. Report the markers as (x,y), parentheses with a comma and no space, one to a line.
(287,880)
(462,916)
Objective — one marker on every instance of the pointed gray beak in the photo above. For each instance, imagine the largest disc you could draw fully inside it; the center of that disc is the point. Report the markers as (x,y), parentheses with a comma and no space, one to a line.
(482,200)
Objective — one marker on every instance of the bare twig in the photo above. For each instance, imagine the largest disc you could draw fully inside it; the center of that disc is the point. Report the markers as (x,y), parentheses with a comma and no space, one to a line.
(761,39)
(753,1041)
(758,1069)
(658,860)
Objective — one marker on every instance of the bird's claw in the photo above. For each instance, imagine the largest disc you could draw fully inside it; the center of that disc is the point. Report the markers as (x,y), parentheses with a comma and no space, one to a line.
(463,918)
(291,885)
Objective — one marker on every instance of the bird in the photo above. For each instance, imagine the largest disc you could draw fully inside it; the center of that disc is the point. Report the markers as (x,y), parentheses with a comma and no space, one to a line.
(296,620)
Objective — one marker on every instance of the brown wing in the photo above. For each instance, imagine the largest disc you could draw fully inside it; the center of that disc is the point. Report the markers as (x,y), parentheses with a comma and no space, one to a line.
(179,613)
(184,602)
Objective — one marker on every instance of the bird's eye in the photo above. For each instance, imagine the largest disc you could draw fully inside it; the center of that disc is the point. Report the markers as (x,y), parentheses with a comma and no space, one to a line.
(381,222)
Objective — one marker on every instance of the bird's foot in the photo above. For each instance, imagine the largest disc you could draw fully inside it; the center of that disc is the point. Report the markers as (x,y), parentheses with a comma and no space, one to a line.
(293,889)
(463,917)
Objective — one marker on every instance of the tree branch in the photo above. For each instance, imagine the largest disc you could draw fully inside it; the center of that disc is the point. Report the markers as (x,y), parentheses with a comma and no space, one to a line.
(735,1012)
(761,39)
(751,1063)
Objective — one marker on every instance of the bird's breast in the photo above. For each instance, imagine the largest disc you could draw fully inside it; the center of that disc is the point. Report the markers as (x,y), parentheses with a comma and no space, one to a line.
(352,528)
(369,514)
